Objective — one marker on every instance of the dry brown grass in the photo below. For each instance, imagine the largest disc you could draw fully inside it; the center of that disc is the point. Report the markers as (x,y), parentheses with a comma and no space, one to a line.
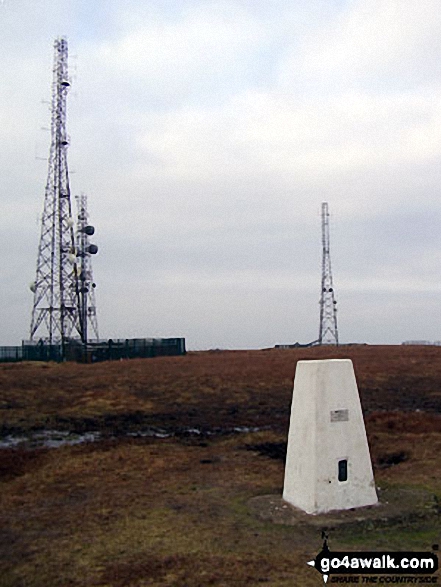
(173,512)
(206,389)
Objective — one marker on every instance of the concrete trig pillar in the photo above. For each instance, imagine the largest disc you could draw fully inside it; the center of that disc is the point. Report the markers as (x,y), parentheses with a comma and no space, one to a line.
(328,466)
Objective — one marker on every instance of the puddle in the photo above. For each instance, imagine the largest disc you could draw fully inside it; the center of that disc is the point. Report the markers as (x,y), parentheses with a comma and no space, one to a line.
(58,438)
(48,439)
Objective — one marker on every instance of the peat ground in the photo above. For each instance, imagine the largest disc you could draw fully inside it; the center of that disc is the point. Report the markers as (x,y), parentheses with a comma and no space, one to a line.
(128,511)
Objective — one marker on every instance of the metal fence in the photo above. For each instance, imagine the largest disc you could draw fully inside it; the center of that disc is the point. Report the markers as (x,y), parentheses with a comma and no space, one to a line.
(102,350)
(115,349)
(11,354)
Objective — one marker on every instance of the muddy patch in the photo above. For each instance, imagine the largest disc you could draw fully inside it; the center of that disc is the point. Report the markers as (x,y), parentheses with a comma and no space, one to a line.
(387,460)
(15,463)
(273,450)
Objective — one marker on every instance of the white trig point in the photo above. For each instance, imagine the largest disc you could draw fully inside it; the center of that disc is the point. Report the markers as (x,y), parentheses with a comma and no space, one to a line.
(328,466)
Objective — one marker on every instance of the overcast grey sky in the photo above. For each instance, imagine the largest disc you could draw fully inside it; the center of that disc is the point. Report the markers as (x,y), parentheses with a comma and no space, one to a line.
(206,135)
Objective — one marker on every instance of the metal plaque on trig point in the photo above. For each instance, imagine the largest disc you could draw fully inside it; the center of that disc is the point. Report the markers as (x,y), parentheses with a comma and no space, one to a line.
(339,415)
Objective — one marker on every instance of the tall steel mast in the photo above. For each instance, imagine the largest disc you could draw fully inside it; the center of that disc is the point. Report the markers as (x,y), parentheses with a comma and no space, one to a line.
(328,305)
(85,250)
(56,308)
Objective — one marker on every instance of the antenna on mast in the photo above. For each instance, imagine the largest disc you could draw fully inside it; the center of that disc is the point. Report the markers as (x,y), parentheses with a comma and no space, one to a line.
(85,250)
(59,297)
(328,333)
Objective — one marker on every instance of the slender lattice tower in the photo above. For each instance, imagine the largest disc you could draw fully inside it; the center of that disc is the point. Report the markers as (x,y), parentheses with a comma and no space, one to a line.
(328,304)
(88,317)
(56,309)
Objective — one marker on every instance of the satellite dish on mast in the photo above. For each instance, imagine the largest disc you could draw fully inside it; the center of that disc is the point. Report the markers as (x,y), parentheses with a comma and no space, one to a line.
(89,230)
(92,249)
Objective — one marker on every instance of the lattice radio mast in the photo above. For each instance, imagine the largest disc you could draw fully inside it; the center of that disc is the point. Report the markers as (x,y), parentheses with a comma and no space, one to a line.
(88,317)
(57,306)
(328,304)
